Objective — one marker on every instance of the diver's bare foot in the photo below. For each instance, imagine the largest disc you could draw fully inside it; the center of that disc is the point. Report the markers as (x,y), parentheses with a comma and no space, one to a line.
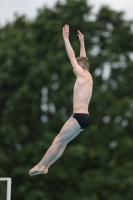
(38,170)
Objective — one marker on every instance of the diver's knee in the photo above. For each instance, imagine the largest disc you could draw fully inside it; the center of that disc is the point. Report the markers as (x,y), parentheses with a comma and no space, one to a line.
(59,141)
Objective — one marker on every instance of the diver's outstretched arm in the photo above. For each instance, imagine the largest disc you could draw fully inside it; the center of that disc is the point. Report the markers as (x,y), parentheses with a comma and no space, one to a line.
(69,49)
(82,44)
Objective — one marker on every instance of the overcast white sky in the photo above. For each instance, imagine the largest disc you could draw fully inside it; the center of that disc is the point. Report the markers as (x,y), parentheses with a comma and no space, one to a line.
(29,7)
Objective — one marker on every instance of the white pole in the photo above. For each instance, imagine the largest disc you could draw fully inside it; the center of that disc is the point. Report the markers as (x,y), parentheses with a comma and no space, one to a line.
(8,188)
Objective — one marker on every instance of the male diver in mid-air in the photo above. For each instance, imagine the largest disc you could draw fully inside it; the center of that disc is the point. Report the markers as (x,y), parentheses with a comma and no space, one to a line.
(80,118)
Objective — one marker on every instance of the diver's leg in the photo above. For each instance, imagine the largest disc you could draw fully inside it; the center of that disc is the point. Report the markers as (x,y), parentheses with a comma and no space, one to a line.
(68,132)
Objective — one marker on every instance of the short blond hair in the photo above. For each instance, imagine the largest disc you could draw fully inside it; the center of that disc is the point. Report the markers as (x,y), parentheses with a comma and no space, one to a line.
(83,62)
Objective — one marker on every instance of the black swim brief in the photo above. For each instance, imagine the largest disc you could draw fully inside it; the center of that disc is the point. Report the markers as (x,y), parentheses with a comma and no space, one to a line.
(82,118)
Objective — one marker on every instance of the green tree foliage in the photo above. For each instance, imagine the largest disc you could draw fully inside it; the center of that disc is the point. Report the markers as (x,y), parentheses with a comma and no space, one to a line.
(36,86)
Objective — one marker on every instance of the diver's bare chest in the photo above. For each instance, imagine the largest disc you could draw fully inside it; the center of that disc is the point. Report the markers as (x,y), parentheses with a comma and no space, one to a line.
(80,84)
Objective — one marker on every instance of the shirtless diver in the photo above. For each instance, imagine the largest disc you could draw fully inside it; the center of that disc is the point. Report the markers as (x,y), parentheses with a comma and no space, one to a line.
(80,118)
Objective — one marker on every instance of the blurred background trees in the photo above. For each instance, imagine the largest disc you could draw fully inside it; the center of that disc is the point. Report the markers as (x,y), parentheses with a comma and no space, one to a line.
(36,87)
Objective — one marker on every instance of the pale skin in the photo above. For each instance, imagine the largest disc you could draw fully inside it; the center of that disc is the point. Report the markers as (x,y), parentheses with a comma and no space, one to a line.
(81,98)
